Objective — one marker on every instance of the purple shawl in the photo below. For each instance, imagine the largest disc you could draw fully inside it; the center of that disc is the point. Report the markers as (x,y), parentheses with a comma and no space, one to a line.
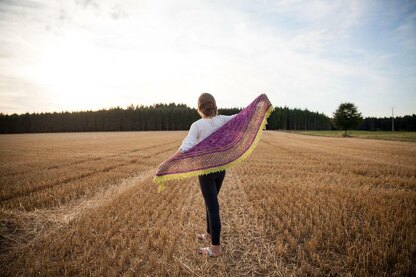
(228,145)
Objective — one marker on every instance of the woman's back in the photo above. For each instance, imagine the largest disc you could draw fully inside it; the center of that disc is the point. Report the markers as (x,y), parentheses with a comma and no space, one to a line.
(202,128)
(207,126)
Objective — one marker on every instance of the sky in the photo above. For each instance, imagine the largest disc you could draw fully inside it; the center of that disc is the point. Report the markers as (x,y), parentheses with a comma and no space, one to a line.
(78,55)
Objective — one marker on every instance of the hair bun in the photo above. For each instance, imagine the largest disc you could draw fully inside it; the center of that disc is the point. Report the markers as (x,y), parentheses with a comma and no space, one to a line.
(207,105)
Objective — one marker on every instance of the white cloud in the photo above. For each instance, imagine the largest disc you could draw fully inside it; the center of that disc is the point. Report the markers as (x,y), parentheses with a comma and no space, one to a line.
(407,32)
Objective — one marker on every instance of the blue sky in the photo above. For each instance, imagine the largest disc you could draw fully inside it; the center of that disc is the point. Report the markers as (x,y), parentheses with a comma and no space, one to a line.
(89,54)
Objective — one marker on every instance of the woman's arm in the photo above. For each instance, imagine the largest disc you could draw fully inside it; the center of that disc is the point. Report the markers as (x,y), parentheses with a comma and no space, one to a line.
(190,140)
(227,118)
(177,153)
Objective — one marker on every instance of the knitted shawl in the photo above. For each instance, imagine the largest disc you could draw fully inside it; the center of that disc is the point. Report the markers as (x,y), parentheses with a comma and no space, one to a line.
(230,144)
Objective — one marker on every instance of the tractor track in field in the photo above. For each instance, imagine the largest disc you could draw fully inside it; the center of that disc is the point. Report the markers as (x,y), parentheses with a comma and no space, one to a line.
(29,190)
(339,165)
(355,153)
(62,165)
(321,151)
(42,222)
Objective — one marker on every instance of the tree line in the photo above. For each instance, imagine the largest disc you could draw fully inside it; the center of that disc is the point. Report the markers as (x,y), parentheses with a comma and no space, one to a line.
(158,117)
(405,123)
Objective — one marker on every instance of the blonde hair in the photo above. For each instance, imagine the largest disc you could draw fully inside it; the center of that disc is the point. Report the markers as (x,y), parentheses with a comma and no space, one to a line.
(207,104)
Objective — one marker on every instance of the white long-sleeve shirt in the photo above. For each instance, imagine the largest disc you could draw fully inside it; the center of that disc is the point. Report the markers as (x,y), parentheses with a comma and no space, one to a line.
(201,129)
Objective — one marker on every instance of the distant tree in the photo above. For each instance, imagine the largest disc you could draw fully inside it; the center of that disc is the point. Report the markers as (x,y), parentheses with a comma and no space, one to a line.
(347,117)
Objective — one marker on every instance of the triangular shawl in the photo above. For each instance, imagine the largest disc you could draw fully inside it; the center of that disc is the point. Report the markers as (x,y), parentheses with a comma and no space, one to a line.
(224,148)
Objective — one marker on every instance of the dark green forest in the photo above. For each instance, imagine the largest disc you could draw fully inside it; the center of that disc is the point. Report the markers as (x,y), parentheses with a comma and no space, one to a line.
(158,117)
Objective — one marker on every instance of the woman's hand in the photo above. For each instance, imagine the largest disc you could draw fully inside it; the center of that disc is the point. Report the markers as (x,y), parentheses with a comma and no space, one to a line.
(177,153)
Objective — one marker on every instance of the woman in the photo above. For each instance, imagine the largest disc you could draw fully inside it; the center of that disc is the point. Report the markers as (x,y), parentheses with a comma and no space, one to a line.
(210,184)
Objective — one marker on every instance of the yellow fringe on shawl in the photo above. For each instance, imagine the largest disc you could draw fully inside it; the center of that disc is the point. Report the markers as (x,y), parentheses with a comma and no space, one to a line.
(161,179)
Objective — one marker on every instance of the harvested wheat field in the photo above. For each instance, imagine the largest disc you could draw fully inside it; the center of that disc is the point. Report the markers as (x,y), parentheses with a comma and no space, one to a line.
(85,204)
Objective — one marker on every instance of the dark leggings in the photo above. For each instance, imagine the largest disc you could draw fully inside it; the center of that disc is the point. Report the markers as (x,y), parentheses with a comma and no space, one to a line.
(210,187)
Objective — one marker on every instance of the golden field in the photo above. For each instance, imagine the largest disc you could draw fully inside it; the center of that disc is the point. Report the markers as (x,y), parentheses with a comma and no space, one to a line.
(85,204)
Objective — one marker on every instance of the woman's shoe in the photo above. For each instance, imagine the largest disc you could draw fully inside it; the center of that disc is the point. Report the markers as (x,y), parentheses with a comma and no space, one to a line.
(207,251)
